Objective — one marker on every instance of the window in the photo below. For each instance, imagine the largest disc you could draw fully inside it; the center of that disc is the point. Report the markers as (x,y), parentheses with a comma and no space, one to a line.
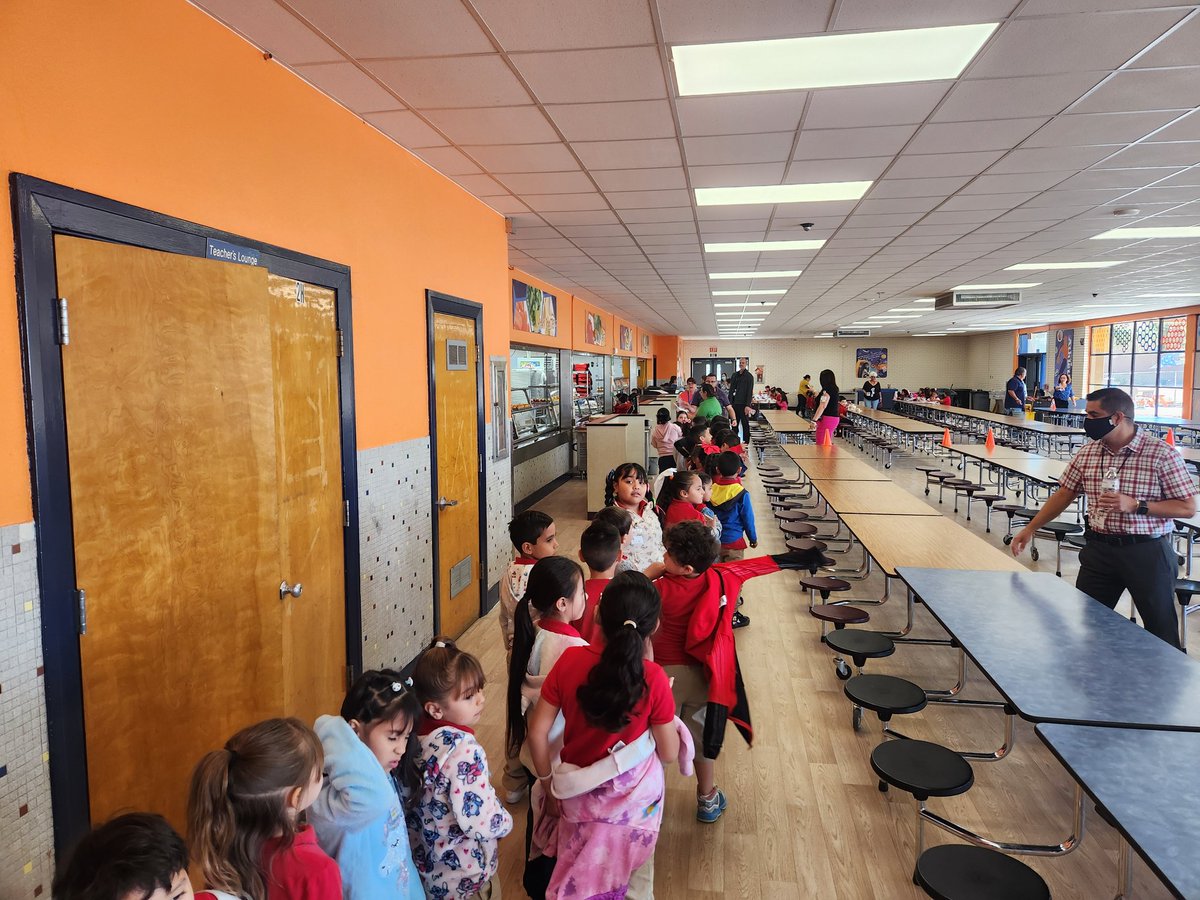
(1145,358)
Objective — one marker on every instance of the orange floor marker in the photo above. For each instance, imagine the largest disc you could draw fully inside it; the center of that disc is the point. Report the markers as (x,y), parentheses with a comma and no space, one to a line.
(990,441)
(1170,438)
(946,437)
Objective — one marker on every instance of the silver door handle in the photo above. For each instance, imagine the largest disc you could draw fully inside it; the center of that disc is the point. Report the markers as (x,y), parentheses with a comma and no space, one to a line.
(442,503)
(294,589)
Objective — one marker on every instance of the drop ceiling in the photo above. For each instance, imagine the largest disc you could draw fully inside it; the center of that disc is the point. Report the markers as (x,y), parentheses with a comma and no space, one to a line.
(567,118)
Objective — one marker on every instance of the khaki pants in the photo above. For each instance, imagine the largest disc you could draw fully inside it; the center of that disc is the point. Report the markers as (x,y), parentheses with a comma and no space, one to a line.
(728,554)
(691,697)
(491,889)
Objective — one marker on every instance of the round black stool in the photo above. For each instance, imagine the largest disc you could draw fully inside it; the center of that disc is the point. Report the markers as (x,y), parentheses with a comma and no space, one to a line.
(798,529)
(963,872)
(825,585)
(1059,530)
(1185,589)
(1014,511)
(885,695)
(805,545)
(858,644)
(988,500)
(938,477)
(790,515)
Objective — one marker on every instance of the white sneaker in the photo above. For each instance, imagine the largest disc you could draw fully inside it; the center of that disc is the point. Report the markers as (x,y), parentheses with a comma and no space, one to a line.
(517,795)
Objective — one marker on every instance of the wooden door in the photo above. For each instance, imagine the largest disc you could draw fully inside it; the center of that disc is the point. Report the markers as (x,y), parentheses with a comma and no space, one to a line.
(456,404)
(309,462)
(174,502)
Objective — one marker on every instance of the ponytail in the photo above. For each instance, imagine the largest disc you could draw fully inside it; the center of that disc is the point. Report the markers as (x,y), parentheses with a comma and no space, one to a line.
(610,487)
(629,612)
(675,485)
(549,579)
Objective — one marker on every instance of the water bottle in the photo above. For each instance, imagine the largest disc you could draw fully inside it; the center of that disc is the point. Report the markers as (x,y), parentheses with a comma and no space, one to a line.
(1110,483)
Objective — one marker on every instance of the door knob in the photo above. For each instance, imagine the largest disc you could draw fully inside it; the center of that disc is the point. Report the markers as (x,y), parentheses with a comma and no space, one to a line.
(442,503)
(294,589)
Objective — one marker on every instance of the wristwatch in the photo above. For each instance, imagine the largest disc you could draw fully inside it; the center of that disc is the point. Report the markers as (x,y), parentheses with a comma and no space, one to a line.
(1143,508)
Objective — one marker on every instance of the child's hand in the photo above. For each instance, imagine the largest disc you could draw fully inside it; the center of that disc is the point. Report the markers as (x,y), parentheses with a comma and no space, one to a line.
(754,545)
(550,805)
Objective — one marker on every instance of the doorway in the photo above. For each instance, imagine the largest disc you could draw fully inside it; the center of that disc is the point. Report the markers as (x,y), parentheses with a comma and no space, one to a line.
(1034,365)
(723,367)
(193,456)
(457,461)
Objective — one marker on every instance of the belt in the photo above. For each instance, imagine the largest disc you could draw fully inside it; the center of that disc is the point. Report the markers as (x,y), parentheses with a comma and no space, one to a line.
(1121,540)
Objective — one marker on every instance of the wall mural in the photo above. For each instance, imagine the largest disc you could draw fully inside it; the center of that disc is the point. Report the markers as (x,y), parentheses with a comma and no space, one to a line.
(593,329)
(871,359)
(534,310)
(626,334)
(1063,339)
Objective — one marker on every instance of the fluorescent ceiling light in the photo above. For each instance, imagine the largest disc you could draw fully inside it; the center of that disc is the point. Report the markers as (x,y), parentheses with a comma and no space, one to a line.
(746,293)
(932,334)
(743,246)
(1105,306)
(1157,296)
(895,317)
(996,287)
(782,193)
(923,300)
(916,309)
(1036,267)
(1136,233)
(779,273)
(828,60)
(749,304)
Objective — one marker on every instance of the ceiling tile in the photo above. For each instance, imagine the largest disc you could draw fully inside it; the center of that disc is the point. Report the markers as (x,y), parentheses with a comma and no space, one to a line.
(916,187)
(558,202)
(448,161)
(1145,89)
(583,76)
(1076,43)
(740,113)
(933,165)
(960,137)
(899,204)
(1030,182)
(270,27)
(839,143)
(888,104)
(736,176)
(622,200)
(382,28)
(561,218)
(1098,128)
(738,148)
(547,183)
(892,14)
(614,121)
(538,25)
(1000,202)
(524,158)
(506,204)
(706,21)
(1186,128)
(494,125)
(1177,49)
(1058,7)
(809,171)
(670,214)
(480,185)
(640,179)
(349,85)
(463,82)
(1051,159)
(405,128)
(1004,98)
(656,153)
(1116,178)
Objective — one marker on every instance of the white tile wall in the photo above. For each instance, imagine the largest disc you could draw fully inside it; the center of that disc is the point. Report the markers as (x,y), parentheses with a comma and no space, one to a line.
(499,514)
(532,474)
(26,829)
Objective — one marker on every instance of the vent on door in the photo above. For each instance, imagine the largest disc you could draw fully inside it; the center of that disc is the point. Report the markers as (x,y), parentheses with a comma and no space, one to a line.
(456,355)
(460,576)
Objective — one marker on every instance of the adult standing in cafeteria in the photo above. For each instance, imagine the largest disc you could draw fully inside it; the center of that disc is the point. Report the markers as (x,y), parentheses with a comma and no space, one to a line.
(826,415)
(871,392)
(741,397)
(1064,396)
(1014,394)
(711,379)
(1136,486)
(802,396)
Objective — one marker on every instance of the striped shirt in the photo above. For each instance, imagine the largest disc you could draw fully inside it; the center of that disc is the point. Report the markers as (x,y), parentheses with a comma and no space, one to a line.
(1149,469)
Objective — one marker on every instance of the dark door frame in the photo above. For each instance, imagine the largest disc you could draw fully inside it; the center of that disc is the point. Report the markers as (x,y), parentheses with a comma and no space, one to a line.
(42,210)
(436,302)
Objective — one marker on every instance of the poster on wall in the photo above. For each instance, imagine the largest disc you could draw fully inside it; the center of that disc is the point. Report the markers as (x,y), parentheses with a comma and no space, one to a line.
(1063,339)
(534,310)
(646,346)
(593,329)
(871,360)
(626,338)
(758,374)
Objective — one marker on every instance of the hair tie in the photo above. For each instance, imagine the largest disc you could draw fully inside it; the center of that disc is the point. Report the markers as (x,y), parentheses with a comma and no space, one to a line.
(397,687)
(632,624)
(440,644)
(232,755)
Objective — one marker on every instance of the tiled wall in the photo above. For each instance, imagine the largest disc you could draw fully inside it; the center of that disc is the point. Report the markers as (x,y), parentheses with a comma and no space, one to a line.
(26,834)
(395,545)
(532,474)
(499,512)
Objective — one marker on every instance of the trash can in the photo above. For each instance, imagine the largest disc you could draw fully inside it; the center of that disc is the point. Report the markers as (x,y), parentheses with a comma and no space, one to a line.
(981,401)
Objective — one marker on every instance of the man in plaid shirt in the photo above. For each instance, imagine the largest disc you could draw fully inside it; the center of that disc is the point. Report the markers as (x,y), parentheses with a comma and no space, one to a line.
(1129,534)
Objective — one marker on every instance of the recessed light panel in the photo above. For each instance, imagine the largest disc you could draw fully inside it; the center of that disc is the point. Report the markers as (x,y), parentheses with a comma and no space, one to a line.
(1136,234)
(749,304)
(777,274)
(782,193)
(1036,267)
(761,246)
(1164,296)
(828,60)
(996,287)
(745,293)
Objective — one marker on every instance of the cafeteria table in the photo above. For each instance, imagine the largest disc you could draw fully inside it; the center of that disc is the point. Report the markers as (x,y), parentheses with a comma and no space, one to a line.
(870,498)
(786,423)
(844,467)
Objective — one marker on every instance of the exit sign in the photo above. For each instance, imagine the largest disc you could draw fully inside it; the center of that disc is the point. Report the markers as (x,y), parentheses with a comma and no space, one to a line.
(712,351)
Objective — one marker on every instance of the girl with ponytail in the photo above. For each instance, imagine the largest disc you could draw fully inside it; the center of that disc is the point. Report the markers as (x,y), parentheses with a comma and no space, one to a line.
(627,488)
(244,808)
(607,786)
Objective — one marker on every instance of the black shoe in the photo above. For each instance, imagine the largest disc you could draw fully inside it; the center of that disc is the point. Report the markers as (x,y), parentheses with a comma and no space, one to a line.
(740,620)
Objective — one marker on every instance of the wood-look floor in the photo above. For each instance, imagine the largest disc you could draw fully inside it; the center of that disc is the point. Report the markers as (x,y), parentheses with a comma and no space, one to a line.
(805,817)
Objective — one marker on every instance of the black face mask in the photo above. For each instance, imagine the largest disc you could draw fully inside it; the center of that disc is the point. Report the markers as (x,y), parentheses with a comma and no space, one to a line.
(1098,428)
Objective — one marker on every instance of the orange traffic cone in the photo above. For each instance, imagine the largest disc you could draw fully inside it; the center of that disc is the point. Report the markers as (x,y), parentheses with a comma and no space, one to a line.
(828,439)
(1170,438)
(946,437)
(990,441)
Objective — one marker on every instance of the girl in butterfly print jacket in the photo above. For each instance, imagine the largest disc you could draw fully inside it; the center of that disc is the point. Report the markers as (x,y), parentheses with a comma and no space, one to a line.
(456,826)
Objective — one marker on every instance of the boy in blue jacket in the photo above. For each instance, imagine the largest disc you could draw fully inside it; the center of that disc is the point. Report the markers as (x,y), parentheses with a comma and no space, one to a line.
(731,502)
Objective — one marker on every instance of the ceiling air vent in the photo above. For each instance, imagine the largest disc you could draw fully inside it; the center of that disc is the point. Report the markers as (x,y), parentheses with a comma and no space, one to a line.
(977,300)
(853,332)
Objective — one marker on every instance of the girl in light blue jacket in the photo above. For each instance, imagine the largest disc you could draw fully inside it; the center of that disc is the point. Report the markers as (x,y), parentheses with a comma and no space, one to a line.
(369,771)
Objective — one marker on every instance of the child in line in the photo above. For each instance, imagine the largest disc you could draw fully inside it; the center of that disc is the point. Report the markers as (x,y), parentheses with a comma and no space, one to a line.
(705,507)
(623,405)
(457,824)
(683,495)
(244,810)
(600,551)
(554,597)
(728,440)
(685,445)
(695,643)
(370,771)
(663,437)
(730,501)
(620,520)
(137,855)
(607,788)
(626,487)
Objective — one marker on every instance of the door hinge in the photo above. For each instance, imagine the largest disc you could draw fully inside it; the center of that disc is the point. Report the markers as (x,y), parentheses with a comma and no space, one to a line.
(345,513)
(64,324)
(341,343)
(81,607)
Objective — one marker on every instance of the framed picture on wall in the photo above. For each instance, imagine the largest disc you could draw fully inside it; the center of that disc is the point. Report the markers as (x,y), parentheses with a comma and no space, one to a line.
(626,334)
(534,310)
(593,329)
(871,361)
(645,345)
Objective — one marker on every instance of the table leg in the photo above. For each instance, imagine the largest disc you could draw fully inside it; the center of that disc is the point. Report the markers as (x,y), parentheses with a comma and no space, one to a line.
(1124,870)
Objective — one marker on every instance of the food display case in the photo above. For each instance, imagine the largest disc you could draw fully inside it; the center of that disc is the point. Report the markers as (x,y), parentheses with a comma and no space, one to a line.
(535,394)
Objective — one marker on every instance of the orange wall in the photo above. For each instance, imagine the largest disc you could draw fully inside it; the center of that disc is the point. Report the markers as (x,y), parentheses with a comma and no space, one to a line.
(668,350)
(155,104)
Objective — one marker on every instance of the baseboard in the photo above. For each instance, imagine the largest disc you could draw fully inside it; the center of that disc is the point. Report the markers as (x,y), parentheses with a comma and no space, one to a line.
(492,598)
(541,493)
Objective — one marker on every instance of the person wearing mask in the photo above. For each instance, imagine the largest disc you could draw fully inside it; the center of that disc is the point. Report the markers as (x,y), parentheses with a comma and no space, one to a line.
(741,390)
(1136,486)
(1064,395)
(871,392)
(1014,394)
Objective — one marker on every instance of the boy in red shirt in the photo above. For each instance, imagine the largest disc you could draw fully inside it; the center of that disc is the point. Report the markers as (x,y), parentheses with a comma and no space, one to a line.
(600,550)
(694,642)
